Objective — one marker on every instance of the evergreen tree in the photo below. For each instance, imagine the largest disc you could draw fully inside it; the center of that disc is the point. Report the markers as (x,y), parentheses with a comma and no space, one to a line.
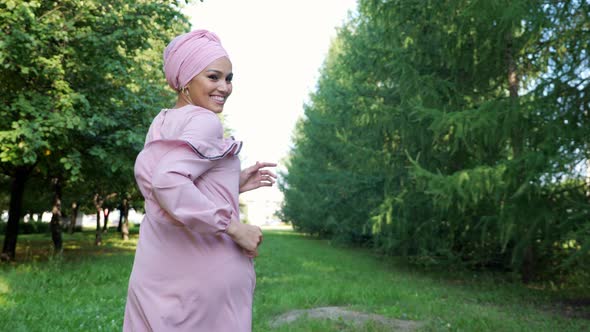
(457,130)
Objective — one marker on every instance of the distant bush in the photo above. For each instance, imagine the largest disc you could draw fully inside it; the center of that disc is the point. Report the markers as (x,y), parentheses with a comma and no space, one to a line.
(28,228)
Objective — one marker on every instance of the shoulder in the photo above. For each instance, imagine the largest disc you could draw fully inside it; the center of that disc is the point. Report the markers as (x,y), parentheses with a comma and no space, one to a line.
(154,128)
(202,123)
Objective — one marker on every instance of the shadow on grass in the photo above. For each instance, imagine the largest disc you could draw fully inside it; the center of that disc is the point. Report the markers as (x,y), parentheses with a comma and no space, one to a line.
(76,246)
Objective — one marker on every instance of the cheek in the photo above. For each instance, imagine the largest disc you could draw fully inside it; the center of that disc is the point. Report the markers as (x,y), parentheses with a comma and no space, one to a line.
(197,88)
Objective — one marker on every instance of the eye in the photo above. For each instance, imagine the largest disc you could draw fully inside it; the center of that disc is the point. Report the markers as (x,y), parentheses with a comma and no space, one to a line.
(213,77)
(229,78)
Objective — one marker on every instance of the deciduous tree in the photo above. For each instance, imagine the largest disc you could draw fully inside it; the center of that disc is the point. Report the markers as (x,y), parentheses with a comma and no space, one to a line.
(77,86)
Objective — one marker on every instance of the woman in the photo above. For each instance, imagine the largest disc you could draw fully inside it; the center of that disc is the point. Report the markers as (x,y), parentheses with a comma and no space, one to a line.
(193,268)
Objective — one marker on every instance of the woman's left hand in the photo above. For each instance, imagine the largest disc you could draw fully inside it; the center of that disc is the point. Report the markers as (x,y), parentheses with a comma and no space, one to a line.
(255,177)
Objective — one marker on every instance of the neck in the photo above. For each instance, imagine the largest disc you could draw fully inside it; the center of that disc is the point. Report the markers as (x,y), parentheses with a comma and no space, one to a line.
(180,102)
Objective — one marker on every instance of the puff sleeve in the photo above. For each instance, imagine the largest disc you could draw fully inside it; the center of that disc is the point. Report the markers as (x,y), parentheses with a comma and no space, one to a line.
(195,152)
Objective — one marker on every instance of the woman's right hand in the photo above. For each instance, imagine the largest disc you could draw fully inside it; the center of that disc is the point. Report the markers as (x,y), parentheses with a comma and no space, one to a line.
(248,237)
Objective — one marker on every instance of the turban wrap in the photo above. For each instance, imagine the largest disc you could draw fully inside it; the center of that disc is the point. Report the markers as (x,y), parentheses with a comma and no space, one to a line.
(188,54)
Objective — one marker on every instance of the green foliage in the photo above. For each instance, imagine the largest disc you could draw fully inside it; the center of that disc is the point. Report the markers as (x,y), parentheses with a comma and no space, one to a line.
(29,227)
(80,82)
(452,132)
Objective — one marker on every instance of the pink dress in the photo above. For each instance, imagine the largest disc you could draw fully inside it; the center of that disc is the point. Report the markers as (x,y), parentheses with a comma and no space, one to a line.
(189,275)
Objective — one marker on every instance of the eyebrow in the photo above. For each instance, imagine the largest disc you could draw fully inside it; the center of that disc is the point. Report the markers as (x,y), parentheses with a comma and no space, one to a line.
(218,71)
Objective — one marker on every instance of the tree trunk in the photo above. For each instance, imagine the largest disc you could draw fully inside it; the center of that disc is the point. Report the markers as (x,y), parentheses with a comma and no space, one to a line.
(527,269)
(120,224)
(14,213)
(106,212)
(513,86)
(124,219)
(98,205)
(73,218)
(55,224)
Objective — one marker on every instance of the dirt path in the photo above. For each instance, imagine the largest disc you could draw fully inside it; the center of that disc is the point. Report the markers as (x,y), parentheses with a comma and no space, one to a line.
(339,313)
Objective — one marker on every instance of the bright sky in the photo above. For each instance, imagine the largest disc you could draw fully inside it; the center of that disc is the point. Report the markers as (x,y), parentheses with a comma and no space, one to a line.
(277,48)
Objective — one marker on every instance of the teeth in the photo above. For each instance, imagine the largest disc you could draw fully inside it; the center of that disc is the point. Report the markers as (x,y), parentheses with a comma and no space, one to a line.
(218,98)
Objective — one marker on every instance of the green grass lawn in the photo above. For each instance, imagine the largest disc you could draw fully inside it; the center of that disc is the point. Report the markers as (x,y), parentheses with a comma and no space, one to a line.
(85,289)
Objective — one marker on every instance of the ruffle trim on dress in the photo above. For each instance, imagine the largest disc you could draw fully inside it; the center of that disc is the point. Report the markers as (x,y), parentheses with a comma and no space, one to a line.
(210,149)
(215,149)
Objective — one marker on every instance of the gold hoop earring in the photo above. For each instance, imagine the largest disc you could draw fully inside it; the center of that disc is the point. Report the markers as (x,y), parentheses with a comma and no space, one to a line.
(186,95)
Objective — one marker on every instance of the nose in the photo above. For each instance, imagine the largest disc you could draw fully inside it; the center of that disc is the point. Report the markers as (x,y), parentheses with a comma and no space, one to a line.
(223,86)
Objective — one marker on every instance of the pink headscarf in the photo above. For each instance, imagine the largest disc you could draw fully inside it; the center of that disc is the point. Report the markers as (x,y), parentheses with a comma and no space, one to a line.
(188,54)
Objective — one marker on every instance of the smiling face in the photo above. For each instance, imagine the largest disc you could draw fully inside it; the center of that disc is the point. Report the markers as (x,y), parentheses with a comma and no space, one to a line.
(212,86)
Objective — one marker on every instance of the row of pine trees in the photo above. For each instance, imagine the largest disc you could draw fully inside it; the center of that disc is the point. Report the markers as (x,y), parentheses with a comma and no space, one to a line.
(452,132)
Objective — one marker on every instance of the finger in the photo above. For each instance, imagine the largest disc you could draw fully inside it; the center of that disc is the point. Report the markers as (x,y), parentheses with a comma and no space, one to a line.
(250,254)
(253,253)
(251,170)
(267,176)
(265,164)
(249,251)
(267,179)
(256,167)
(267,172)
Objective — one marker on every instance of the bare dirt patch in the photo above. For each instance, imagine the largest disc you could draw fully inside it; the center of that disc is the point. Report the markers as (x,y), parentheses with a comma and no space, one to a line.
(339,314)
